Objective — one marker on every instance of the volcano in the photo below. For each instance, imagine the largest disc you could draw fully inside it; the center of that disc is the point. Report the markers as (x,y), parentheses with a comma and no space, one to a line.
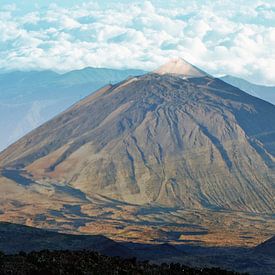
(173,137)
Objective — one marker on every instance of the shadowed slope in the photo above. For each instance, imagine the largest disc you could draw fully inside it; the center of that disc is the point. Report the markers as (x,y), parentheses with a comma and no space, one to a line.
(16,238)
(267,247)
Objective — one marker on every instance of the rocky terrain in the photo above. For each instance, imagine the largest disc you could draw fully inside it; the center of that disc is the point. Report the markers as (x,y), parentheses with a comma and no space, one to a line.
(175,153)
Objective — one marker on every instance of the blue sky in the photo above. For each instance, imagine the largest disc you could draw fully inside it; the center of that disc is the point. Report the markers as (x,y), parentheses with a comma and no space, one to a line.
(234,37)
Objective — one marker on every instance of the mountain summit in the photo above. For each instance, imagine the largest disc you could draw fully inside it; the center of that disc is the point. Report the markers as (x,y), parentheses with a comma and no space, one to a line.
(192,142)
(179,66)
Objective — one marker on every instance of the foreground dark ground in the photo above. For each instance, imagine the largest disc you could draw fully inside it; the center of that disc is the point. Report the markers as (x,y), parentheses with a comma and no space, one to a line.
(86,262)
(15,238)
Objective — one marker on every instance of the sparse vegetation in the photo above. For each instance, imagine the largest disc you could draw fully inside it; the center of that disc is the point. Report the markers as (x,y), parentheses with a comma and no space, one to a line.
(87,262)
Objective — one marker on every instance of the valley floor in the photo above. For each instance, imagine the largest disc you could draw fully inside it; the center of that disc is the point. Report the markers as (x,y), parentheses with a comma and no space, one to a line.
(65,209)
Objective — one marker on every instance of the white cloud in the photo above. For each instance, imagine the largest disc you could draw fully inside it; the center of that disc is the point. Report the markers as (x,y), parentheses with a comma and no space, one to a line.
(229,37)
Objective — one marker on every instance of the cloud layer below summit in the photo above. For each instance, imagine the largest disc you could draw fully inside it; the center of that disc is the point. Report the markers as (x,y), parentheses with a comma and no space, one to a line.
(221,37)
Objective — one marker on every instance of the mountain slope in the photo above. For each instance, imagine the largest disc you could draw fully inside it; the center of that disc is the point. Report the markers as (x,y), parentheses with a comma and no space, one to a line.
(16,238)
(28,99)
(267,247)
(264,92)
(159,139)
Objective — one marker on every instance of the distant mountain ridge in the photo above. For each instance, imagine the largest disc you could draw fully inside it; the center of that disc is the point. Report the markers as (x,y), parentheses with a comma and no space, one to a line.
(28,99)
(266,93)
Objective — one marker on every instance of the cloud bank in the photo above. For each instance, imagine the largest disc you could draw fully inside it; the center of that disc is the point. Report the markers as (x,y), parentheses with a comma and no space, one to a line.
(222,37)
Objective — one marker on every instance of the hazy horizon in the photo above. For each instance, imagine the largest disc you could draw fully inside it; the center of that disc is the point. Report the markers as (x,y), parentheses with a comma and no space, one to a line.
(228,38)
